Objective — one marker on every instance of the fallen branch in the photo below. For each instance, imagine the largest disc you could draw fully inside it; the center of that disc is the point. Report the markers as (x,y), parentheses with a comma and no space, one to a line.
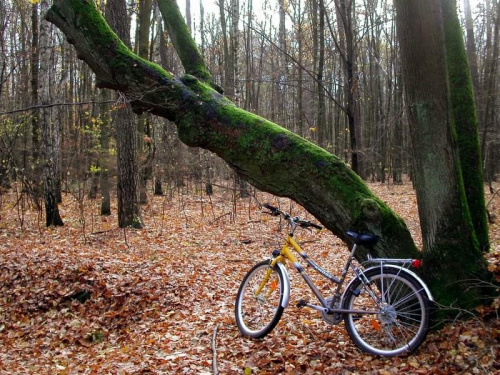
(214,351)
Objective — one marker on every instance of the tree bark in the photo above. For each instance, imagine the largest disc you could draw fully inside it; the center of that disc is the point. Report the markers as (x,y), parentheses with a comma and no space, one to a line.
(144,121)
(50,130)
(472,51)
(323,132)
(104,155)
(270,157)
(129,209)
(35,61)
(348,54)
(451,252)
(490,97)
(465,120)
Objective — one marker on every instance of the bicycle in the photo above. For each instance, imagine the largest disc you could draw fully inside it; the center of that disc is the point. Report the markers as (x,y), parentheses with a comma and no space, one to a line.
(385,306)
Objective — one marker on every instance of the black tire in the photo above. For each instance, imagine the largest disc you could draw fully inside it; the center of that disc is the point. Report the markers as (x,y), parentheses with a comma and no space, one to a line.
(256,316)
(402,321)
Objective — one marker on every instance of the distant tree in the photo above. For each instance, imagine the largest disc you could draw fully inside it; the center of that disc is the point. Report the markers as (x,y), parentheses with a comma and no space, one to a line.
(346,45)
(490,144)
(50,151)
(144,121)
(35,61)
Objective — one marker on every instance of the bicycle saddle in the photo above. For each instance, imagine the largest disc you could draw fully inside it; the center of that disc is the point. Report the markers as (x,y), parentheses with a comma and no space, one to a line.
(362,239)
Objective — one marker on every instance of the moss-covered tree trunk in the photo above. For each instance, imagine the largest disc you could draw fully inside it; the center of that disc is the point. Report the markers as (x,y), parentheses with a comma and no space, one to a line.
(270,157)
(465,120)
(451,252)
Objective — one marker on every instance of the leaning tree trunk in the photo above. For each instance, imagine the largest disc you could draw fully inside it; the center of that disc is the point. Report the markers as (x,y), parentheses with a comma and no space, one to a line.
(270,157)
(451,252)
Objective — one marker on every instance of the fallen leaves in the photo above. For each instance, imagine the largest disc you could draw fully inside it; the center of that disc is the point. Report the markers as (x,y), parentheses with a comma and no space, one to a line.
(148,301)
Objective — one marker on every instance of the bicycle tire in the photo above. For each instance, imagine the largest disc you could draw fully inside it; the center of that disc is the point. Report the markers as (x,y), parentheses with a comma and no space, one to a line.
(256,316)
(402,321)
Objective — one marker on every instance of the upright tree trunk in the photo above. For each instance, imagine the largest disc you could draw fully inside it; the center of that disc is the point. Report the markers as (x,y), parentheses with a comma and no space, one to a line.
(104,154)
(472,51)
(202,27)
(451,251)
(35,115)
(144,126)
(188,15)
(282,71)
(145,8)
(228,81)
(323,134)
(35,61)
(490,99)
(50,131)
(346,29)
(129,209)
(300,73)
(465,120)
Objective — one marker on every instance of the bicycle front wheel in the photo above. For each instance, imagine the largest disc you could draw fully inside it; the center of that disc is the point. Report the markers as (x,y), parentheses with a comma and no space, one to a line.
(401,320)
(257,313)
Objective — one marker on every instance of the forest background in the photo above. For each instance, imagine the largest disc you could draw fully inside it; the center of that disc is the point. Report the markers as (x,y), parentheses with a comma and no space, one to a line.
(283,64)
(287,65)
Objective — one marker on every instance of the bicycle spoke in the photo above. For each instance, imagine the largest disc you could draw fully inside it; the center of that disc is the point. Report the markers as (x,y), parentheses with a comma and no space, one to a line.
(402,321)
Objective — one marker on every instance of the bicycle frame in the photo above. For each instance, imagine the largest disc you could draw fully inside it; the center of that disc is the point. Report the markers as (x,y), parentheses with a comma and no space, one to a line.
(327,308)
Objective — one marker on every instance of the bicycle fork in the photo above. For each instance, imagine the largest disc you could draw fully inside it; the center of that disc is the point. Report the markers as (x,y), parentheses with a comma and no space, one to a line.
(286,283)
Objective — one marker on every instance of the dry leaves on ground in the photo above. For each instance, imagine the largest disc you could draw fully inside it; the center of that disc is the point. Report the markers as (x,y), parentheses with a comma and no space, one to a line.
(89,298)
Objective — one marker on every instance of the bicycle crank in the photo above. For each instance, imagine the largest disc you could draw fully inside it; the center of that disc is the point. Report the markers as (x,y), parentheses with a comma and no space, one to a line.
(332,319)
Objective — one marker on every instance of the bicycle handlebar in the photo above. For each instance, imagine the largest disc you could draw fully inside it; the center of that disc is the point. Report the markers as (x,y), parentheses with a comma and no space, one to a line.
(275,211)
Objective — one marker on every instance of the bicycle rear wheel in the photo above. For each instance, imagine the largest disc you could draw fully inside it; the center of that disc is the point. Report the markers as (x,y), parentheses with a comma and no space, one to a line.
(257,315)
(402,319)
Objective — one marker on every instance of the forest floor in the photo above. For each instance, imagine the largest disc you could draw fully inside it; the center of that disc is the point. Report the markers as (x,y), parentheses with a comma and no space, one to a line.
(89,298)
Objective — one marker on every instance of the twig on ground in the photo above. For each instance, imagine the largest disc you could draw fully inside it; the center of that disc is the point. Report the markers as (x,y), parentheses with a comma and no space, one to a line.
(476,361)
(221,216)
(214,350)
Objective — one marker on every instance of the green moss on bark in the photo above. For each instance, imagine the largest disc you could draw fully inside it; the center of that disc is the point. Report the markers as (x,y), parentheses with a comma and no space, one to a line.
(276,160)
(465,121)
(186,47)
(116,63)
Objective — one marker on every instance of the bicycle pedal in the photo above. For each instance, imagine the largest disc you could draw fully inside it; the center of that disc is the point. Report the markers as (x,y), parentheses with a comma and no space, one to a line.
(301,303)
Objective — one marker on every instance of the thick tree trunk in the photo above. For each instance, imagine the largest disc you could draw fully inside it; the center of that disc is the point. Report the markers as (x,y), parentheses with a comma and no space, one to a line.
(270,157)
(465,120)
(451,250)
